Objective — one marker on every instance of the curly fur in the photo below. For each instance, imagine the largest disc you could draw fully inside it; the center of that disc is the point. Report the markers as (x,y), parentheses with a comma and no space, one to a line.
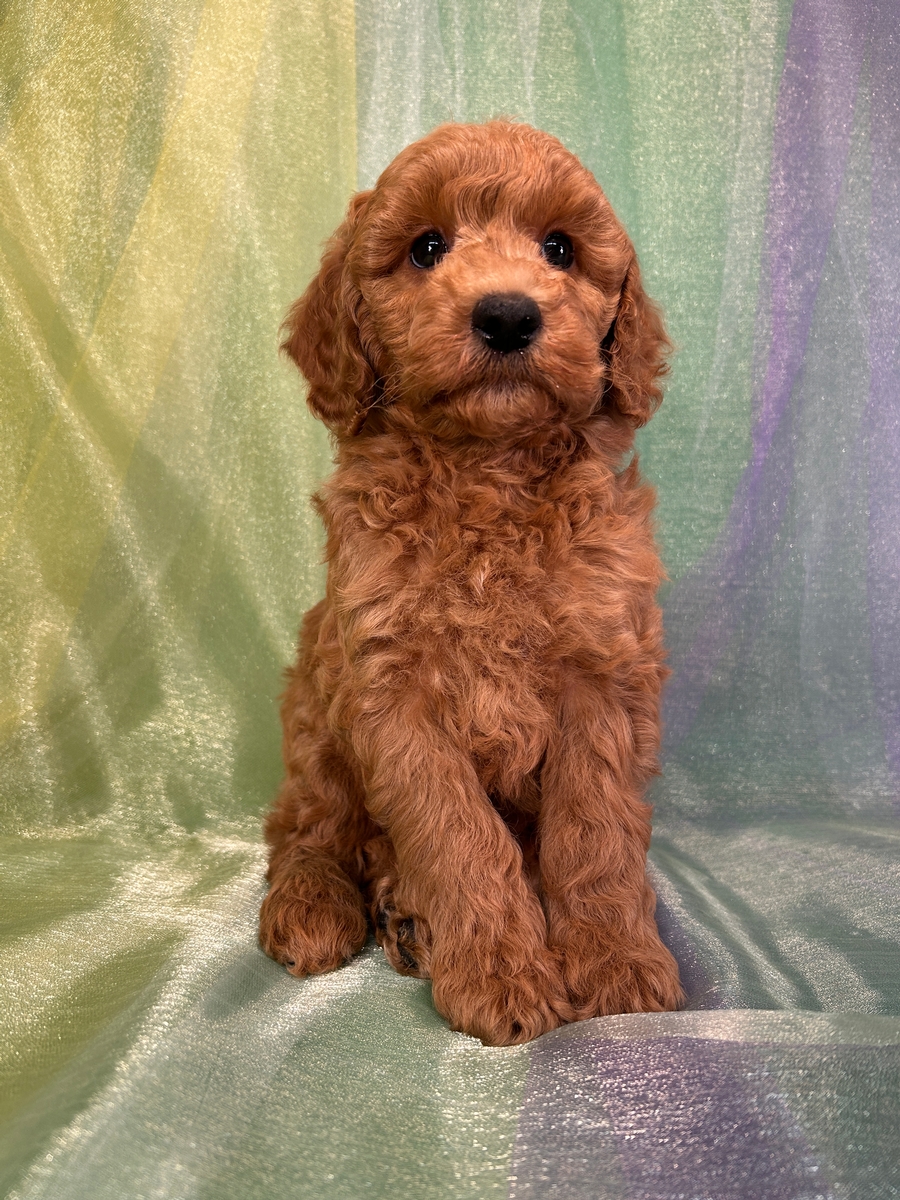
(473,715)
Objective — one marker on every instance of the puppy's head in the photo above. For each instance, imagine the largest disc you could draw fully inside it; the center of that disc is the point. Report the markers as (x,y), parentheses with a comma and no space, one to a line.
(483,286)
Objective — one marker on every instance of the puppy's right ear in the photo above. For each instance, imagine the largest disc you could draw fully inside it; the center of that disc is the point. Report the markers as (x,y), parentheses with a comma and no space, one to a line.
(322,333)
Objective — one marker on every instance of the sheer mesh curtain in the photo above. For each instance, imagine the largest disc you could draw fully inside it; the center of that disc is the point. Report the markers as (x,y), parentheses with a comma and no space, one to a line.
(167,174)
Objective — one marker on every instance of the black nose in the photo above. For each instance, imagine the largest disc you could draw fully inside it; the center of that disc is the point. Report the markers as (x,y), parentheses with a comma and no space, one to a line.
(506,322)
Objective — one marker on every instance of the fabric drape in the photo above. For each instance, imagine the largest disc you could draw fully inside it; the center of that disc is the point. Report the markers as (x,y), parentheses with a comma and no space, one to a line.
(168,172)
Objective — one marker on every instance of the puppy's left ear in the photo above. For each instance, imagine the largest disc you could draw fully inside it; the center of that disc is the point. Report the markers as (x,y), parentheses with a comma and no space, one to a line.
(636,346)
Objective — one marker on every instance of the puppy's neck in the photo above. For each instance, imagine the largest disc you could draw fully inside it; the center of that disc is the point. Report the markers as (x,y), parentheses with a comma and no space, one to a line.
(409,462)
(528,455)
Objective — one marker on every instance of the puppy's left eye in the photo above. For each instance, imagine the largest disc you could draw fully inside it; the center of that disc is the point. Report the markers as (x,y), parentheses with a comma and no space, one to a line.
(558,250)
(427,250)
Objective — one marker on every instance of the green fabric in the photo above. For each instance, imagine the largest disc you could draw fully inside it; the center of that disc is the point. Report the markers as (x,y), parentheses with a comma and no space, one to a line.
(168,172)
(671,106)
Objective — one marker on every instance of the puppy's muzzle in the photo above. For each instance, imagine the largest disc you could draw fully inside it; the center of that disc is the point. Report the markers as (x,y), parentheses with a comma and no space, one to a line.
(506,322)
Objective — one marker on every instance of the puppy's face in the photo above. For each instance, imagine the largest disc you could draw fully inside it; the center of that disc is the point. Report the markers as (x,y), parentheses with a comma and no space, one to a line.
(484,280)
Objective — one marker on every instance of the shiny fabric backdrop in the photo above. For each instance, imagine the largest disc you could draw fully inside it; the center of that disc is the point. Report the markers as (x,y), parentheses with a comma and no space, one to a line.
(168,170)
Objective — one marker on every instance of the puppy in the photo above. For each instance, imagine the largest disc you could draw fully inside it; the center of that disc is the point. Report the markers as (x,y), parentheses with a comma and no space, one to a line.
(474,710)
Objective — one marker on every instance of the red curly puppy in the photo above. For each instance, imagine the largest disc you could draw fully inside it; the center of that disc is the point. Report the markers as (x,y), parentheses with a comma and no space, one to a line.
(474,711)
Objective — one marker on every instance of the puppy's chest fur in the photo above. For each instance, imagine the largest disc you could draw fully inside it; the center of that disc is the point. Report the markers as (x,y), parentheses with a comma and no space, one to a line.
(486,598)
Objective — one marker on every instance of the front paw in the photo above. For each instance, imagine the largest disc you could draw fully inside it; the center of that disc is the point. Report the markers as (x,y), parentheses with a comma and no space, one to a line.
(310,930)
(501,995)
(605,975)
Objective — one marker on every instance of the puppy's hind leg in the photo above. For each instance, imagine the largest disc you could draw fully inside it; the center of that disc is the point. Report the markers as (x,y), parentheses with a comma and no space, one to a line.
(404,938)
(313,918)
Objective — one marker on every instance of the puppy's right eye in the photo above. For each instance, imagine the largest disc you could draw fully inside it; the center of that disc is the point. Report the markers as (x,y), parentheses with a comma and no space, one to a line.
(427,250)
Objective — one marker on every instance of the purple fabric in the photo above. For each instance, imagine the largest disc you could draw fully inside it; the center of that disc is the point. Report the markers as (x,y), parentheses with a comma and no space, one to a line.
(813,121)
(671,1118)
(659,1119)
(884,404)
(701,1119)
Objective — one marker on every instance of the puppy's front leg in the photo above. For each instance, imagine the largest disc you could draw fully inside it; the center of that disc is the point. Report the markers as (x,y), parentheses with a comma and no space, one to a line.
(595,831)
(492,973)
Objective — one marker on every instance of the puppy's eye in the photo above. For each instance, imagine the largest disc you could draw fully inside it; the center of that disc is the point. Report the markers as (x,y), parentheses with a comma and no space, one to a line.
(427,250)
(558,250)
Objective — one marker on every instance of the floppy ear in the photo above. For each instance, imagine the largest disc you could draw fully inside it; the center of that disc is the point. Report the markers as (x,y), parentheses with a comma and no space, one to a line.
(636,347)
(322,333)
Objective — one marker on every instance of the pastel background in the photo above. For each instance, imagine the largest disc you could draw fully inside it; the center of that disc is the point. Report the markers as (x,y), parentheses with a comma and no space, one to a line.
(168,171)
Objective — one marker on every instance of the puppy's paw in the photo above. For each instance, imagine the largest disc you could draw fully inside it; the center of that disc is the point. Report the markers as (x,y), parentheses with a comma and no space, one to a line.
(501,998)
(311,929)
(602,980)
(406,941)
